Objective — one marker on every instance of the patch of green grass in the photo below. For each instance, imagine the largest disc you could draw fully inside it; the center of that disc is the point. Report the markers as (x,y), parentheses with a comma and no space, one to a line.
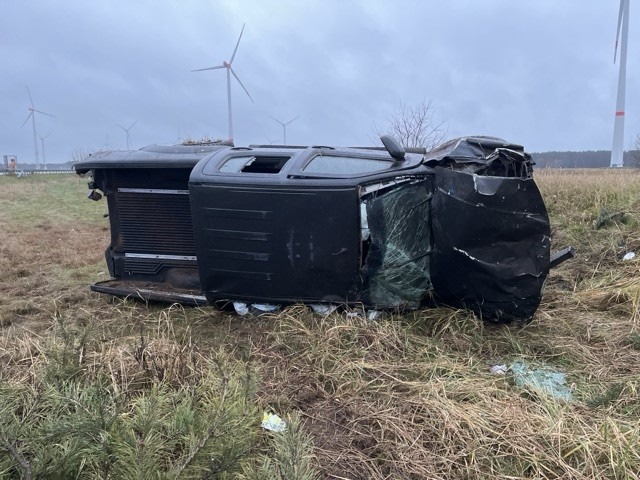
(80,419)
(38,200)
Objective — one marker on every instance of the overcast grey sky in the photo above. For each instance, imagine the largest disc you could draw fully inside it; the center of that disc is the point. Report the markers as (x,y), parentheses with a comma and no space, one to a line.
(535,72)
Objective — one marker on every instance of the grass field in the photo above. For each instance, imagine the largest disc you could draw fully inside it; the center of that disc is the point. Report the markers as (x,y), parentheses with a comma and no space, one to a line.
(97,387)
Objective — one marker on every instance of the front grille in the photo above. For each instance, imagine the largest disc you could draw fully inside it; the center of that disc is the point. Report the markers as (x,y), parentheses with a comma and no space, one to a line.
(155,223)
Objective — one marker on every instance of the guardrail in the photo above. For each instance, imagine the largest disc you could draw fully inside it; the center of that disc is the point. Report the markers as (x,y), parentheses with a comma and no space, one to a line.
(22,173)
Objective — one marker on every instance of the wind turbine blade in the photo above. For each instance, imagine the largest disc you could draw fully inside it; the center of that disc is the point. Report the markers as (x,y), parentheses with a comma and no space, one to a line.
(237,43)
(245,90)
(44,113)
(117,125)
(292,120)
(27,119)
(132,125)
(273,118)
(621,12)
(208,68)
(30,99)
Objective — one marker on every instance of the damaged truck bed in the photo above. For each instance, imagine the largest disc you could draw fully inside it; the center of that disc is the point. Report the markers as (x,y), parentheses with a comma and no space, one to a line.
(386,228)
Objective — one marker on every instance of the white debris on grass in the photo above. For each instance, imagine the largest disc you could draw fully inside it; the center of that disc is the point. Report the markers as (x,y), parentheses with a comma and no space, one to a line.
(324,309)
(265,307)
(499,369)
(243,308)
(368,314)
(542,379)
(273,423)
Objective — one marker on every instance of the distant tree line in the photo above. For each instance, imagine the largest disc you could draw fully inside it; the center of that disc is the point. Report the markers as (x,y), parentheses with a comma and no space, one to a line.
(588,159)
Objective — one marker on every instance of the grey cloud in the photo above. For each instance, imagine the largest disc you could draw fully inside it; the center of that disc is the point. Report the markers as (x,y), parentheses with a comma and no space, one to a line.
(536,72)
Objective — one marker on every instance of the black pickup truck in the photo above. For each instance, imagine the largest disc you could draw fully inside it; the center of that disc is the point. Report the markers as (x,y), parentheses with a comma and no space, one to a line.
(376,228)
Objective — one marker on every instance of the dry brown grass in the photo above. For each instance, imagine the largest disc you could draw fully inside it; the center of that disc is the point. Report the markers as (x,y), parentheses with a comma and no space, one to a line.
(407,396)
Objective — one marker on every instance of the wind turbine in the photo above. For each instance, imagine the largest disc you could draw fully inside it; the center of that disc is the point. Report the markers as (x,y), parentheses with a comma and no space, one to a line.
(32,112)
(126,131)
(617,150)
(268,139)
(284,126)
(230,72)
(44,158)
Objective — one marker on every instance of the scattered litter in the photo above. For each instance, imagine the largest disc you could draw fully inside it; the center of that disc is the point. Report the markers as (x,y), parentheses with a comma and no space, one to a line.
(265,307)
(241,308)
(368,314)
(499,369)
(542,379)
(629,256)
(273,423)
(324,309)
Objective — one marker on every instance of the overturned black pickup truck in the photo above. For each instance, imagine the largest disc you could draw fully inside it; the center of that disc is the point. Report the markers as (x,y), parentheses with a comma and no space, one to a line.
(374,228)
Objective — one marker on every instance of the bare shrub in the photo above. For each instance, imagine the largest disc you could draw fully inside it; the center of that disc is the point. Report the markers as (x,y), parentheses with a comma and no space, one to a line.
(415,125)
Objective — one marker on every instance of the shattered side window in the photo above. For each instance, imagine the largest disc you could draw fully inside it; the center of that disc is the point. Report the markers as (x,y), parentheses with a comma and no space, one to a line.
(329,164)
(253,164)
(398,238)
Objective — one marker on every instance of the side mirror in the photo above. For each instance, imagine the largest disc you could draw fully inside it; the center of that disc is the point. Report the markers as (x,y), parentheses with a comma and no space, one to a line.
(94,195)
(393,146)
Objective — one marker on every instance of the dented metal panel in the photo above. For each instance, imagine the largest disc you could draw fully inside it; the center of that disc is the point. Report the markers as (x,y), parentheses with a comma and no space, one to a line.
(492,243)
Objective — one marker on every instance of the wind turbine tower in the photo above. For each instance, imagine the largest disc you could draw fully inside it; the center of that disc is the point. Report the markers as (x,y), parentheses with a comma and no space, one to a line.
(284,127)
(617,150)
(230,72)
(126,131)
(32,114)
(44,158)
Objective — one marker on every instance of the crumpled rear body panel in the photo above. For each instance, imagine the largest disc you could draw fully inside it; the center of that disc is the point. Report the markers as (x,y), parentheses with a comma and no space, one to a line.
(492,245)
